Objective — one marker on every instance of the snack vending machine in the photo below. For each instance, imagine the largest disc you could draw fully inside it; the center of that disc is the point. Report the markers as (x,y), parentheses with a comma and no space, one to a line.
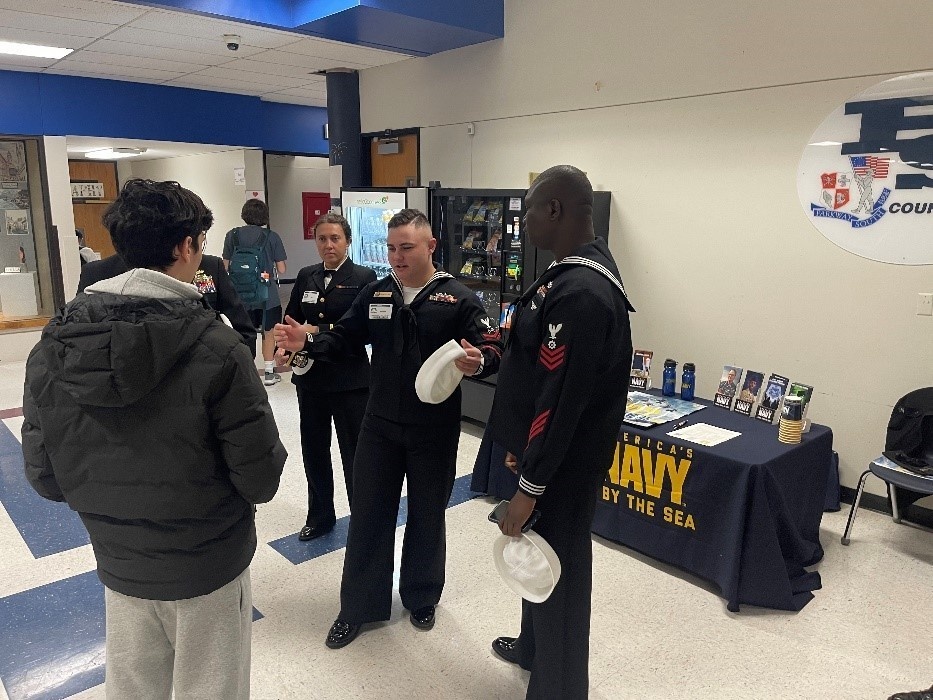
(368,211)
(481,242)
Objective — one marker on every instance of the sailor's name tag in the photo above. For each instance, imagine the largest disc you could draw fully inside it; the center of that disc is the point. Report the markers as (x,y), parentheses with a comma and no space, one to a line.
(380,312)
(310,297)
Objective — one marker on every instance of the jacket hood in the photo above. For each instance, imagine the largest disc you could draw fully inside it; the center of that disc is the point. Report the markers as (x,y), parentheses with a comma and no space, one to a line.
(112,350)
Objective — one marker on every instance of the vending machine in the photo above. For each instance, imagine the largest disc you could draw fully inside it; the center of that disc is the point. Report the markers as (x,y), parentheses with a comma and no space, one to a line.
(368,210)
(482,242)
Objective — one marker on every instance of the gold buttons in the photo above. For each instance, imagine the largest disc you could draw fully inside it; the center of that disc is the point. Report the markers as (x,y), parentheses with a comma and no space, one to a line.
(321,300)
(320,315)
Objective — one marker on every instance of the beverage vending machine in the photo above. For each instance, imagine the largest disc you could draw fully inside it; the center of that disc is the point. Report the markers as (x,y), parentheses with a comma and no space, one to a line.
(368,210)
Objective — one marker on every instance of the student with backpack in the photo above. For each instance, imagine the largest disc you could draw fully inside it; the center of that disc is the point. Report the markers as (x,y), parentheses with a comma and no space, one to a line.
(255,259)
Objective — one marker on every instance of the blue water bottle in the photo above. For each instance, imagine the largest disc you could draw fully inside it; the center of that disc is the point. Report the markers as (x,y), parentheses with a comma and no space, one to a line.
(687,381)
(670,377)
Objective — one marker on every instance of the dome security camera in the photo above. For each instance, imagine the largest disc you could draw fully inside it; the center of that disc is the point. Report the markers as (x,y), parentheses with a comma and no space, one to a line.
(232,41)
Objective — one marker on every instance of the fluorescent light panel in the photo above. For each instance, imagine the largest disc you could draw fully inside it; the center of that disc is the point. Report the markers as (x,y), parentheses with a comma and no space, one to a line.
(35,50)
(114,153)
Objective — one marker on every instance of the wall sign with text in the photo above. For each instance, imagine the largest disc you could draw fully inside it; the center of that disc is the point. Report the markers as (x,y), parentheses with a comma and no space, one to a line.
(865,179)
(87,190)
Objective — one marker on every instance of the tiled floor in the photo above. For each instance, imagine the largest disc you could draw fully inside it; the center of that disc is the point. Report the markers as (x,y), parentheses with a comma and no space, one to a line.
(656,633)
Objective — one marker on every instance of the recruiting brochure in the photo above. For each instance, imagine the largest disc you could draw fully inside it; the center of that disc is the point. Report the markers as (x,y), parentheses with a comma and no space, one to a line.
(804,391)
(728,386)
(641,369)
(770,403)
(751,389)
(704,434)
(645,410)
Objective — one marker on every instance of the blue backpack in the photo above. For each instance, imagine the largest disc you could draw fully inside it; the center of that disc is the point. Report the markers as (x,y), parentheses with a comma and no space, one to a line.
(247,265)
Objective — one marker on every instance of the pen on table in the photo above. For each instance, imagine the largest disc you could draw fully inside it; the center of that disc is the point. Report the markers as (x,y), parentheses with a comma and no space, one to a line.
(680,425)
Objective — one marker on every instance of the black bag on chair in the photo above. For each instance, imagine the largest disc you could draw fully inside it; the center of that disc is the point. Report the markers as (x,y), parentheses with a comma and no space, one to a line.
(909,441)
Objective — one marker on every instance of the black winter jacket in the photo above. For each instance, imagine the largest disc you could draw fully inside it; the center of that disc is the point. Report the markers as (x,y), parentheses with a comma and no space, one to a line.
(147,416)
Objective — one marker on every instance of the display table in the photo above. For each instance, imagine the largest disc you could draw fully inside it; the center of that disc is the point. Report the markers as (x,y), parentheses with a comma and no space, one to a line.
(744,515)
(18,294)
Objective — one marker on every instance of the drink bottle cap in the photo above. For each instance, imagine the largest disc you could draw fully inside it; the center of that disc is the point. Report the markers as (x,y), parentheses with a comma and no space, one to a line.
(689,367)
(670,363)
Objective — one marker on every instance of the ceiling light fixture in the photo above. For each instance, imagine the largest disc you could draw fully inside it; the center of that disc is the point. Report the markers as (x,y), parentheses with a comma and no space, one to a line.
(14,48)
(114,153)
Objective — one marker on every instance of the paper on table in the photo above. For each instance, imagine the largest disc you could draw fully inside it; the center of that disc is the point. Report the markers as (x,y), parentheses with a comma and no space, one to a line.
(704,434)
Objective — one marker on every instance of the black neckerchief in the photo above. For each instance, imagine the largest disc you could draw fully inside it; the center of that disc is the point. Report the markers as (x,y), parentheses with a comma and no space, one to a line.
(405,332)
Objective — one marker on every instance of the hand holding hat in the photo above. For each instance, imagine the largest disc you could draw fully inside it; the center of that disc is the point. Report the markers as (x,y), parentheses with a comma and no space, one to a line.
(439,377)
(528,565)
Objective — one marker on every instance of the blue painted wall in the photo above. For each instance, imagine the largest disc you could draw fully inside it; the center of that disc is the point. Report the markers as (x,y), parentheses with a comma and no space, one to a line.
(57,105)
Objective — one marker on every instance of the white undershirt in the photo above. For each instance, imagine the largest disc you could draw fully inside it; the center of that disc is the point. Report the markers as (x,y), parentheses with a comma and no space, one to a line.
(409,293)
(329,274)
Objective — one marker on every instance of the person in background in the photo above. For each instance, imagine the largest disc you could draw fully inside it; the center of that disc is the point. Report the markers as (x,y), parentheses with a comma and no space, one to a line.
(211,279)
(143,411)
(337,390)
(406,316)
(560,399)
(255,214)
(87,254)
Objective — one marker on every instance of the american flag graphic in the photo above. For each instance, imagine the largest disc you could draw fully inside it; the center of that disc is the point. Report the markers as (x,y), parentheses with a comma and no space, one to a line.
(861,164)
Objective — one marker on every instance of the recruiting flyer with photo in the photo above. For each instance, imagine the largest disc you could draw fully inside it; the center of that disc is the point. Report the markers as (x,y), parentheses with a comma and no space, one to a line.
(645,410)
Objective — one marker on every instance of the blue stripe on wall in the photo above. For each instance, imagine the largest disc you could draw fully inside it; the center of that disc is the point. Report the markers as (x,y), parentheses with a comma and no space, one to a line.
(299,552)
(47,527)
(54,639)
(62,105)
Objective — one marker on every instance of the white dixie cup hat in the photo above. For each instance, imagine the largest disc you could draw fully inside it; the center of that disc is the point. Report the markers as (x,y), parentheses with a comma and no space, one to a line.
(527,564)
(439,377)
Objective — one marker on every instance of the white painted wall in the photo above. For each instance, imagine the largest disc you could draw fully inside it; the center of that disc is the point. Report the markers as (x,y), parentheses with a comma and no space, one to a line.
(287,178)
(210,176)
(62,213)
(695,118)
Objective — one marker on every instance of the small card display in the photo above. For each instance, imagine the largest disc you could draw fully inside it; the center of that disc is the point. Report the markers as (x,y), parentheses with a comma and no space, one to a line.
(804,391)
(770,403)
(728,386)
(641,369)
(751,389)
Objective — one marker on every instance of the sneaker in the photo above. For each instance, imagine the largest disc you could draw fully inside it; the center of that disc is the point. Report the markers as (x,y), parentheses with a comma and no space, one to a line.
(271,378)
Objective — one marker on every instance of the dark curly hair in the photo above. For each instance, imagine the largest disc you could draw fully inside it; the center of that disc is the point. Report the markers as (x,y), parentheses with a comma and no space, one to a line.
(149,219)
(255,212)
(409,216)
(332,218)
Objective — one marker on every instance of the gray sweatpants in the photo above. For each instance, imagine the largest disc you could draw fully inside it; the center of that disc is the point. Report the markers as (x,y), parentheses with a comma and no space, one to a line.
(201,644)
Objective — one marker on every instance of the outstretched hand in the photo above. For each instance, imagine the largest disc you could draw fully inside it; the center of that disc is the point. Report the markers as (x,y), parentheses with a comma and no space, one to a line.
(289,335)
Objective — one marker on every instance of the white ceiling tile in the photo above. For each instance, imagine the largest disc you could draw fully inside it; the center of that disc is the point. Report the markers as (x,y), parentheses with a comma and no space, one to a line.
(58,25)
(309,63)
(26,62)
(101,76)
(88,56)
(225,73)
(29,36)
(306,101)
(123,48)
(263,68)
(201,26)
(107,12)
(211,44)
(82,68)
(338,51)
(217,84)
(300,92)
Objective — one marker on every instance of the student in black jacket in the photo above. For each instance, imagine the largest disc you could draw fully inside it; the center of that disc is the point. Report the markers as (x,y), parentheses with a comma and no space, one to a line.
(211,280)
(559,402)
(144,412)
(406,316)
(339,390)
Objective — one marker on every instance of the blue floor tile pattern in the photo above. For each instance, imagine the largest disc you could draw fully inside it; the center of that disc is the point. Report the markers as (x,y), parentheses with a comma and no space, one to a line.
(47,527)
(299,552)
(53,639)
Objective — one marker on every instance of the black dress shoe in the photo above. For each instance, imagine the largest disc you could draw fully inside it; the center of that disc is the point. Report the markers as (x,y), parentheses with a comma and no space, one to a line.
(341,633)
(309,532)
(506,648)
(423,618)
(914,695)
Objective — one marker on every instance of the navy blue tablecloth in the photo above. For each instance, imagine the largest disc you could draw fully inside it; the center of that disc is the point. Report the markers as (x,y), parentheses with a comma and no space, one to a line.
(744,514)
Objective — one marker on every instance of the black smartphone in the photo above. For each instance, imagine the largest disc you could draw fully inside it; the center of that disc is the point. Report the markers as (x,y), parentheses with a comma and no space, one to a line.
(498,513)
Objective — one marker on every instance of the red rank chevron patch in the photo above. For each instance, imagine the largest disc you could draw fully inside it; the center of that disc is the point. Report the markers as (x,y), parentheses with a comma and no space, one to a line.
(552,359)
(538,425)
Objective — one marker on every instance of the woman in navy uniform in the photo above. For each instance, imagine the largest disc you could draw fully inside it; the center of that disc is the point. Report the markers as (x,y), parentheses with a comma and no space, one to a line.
(406,317)
(321,295)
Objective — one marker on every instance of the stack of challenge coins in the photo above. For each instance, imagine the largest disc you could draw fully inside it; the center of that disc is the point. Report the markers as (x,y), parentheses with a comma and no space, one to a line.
(791,420)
